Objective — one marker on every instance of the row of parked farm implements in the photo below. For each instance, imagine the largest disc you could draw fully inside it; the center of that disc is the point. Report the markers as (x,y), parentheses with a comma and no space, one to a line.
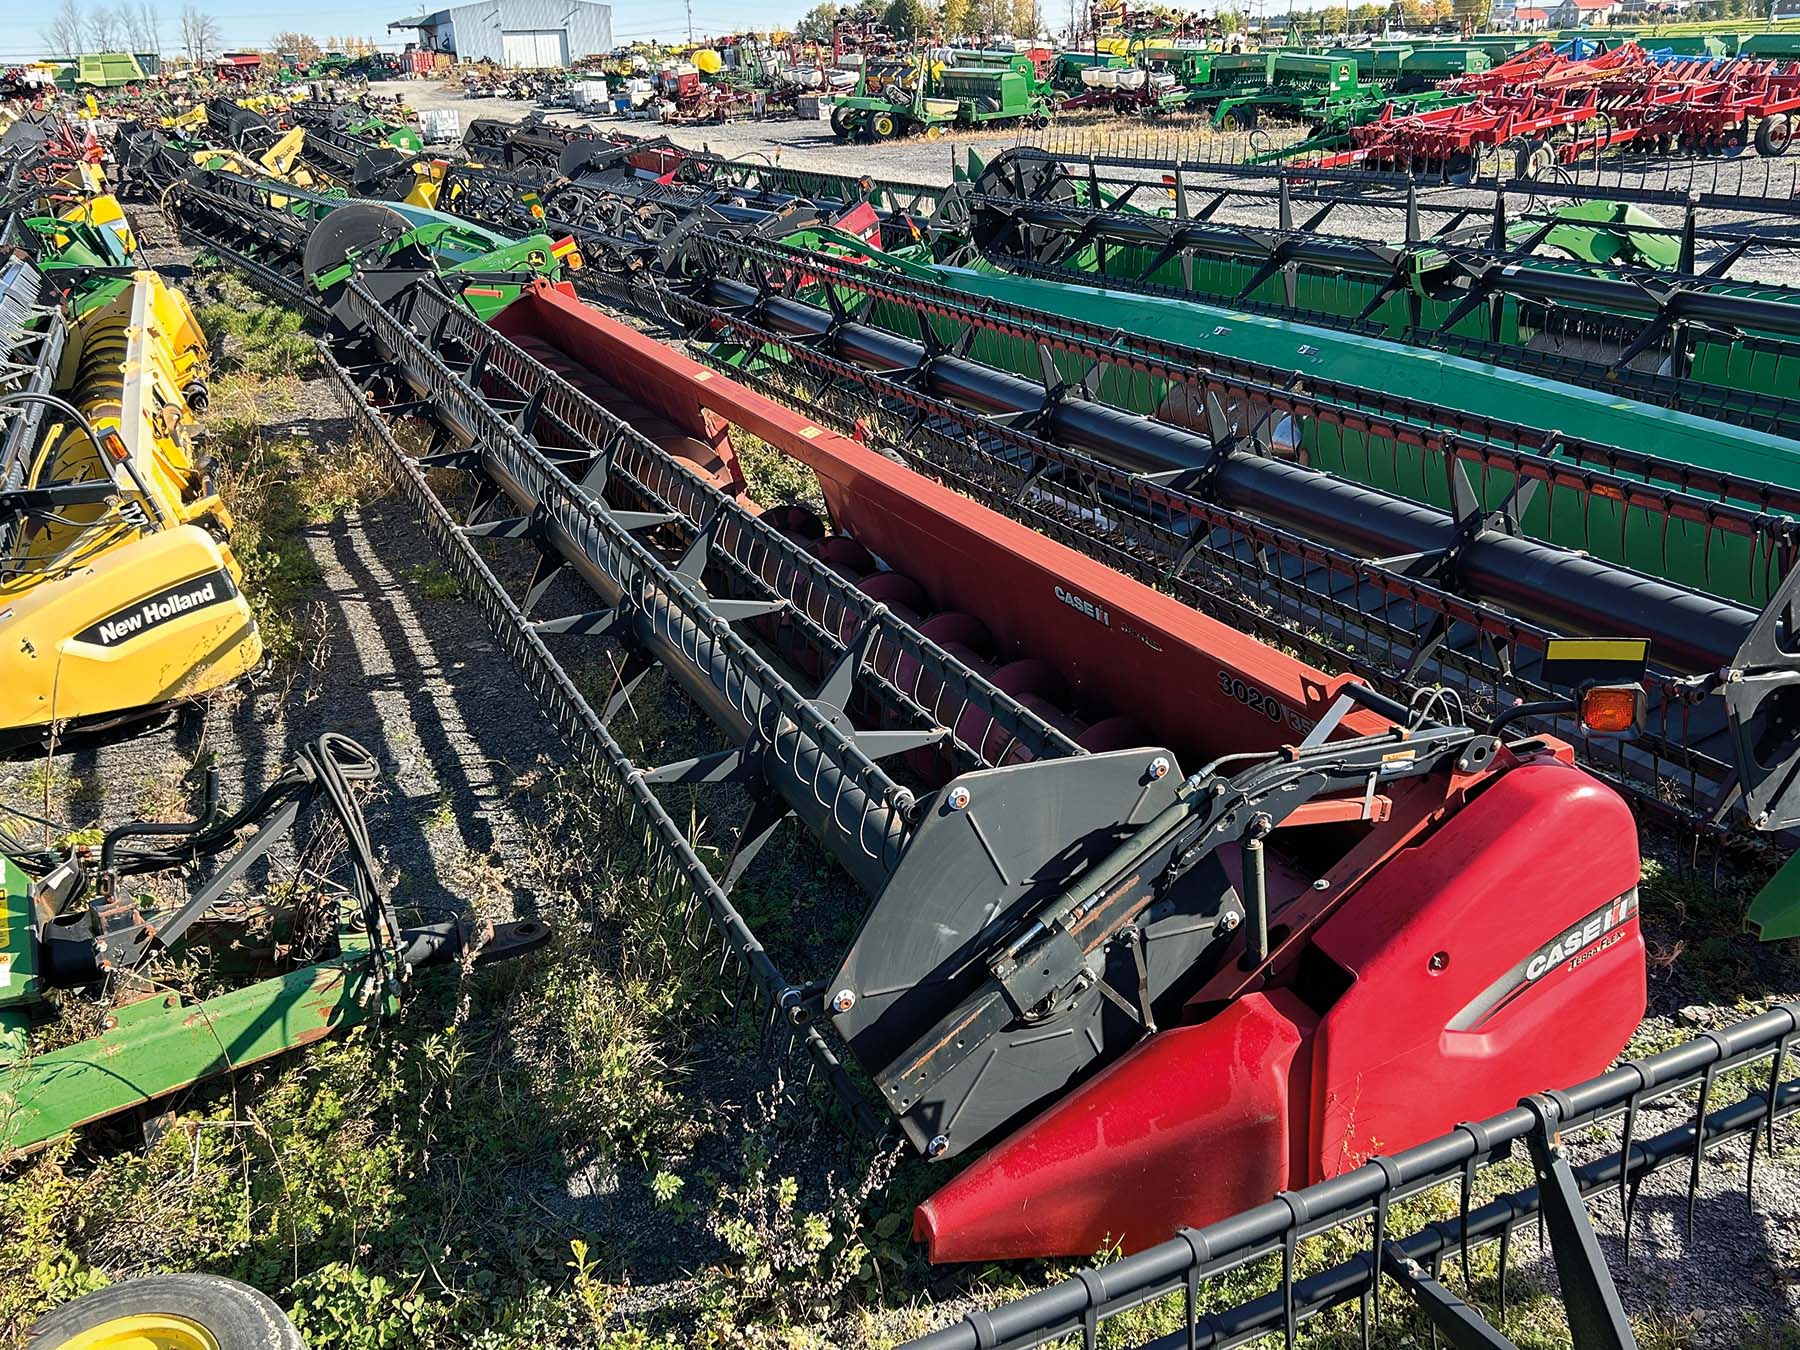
(652,254)
(1120,859)
(1683,538)
(1184,716)
(1080,780)
(1598,294)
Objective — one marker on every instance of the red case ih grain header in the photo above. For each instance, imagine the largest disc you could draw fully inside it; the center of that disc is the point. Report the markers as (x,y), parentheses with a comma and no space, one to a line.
(1355,924)
(1139,897)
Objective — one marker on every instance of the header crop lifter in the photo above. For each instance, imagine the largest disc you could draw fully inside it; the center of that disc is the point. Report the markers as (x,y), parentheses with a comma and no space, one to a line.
(1099,965)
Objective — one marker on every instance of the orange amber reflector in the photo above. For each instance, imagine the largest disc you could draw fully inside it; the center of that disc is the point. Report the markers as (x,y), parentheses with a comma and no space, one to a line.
(1610,707)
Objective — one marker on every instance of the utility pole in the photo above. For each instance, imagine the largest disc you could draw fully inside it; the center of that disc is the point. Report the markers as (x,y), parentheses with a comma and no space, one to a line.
(690,18)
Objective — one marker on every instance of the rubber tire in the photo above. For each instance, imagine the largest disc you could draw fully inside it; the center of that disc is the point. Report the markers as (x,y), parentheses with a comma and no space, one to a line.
(884,126)
(237,1316)
(1774,135)
(843,123)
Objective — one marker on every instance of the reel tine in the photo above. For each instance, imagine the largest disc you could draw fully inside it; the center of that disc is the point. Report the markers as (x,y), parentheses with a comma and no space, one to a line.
(1631,1112)
(1505,1252)
(1288,1241)
(1781,1052)
(1706,1086)
(1630,1209)
(1467,1186)
(1437,1274)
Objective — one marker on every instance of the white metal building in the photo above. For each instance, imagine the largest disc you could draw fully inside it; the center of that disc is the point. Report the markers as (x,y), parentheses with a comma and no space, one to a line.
(534,34)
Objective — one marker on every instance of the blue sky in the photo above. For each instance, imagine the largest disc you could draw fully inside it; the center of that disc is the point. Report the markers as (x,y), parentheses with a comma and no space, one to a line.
(248,24)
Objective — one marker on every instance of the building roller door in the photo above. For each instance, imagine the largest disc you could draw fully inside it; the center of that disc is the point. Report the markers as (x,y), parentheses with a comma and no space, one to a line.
(536,48)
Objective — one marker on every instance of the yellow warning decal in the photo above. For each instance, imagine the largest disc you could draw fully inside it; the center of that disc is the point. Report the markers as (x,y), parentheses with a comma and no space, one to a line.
(1597,649)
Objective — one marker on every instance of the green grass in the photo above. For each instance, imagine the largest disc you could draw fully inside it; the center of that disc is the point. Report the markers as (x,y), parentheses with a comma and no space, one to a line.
(774,477)
(247,333)
(435,581)
(275,480)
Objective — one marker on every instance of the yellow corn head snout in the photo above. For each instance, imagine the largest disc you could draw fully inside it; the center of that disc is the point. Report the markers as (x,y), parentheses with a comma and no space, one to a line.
(281,161)
(428,183)
(102,212)
(123,604)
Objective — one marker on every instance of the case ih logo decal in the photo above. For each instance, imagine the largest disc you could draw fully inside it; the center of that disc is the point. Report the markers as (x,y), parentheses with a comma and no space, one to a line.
(214,588)
(1570,944)
(1083,605)
(1568,950)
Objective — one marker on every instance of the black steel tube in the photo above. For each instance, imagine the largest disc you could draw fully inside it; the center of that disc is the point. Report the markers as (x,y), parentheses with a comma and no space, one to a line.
(1146,231)
(1256,902)
(1707,306)
(1690,633)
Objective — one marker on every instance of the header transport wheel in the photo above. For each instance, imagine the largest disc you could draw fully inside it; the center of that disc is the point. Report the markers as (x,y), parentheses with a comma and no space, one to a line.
(215,1314)
(1774,134)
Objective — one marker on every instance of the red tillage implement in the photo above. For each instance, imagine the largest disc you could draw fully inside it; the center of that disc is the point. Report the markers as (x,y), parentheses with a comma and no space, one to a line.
(1130,996)
(1559,109)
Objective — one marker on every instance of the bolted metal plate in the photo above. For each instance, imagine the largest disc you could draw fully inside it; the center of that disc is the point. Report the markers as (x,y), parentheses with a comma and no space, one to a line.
(1031,1064)
(964,882)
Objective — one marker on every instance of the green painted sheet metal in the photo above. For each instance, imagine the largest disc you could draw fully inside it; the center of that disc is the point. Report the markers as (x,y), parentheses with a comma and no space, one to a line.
(19,982)
(1608,232)
(1784,44)
(1774,915)
(1600,230)
(162,1044)
(1686,553)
